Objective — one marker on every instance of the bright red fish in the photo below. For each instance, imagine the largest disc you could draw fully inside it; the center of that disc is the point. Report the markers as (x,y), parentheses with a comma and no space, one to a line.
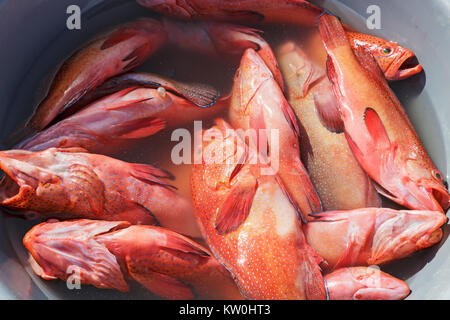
(372,236)
(70,183)
(258,104)
(364,283)
(249,222)
(396,62)
(116,52)
(110,254)
(338,178)
(376,126)
(128,114)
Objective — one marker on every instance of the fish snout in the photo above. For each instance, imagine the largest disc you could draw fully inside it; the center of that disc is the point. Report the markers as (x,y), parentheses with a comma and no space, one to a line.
(406,66)
(440,196)
(380,286)
(430,239)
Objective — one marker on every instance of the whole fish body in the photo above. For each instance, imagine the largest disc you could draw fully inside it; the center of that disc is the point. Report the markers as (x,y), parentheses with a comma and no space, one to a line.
(376,126)
(250,224)
(396,61)
(109,254)
(372,236)
(365,283)
(70,183)
(258,104)
(113,53)
(338,178)
(131,113)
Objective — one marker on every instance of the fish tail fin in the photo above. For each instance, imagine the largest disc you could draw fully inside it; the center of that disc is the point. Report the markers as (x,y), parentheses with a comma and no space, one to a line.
(332,32)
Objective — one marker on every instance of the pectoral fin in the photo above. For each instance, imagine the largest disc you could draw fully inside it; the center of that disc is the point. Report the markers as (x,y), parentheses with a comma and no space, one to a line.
(118,36)
(236,207)
(376,129)
(149,174)
(140,128)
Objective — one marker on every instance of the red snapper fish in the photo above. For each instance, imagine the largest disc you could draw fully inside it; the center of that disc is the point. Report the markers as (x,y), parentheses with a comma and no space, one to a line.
(338,178)
(131,113)
(377,128)
(70,183)
(108,255)
(258,104)
(249,223)
(115,52)
(372,236)
(396,61)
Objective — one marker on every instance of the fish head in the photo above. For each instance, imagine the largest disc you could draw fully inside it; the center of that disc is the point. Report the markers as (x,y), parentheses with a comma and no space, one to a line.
(423,185)
(365,283)
(223,152)
(68,248)
(400,233)
(396,62)
(31,178)
(249,78)
(374,284)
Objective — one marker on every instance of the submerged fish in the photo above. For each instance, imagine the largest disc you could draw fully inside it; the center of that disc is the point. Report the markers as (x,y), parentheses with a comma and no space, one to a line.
(70,183)
(376,126)
(128,114)
(396,61)
(364,283)
(258,104)
(221,39)
(338,178)
(372,236)
(199,94)
(113,53)
(249,222)
(110,254)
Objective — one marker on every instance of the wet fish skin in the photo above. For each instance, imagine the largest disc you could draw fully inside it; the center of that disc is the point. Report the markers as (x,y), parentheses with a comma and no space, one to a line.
(376,126)
(109,255)
(115,52)
(372,236)
(132,113)
(250,224)
(396,61)
(71,183)
(340,181)
(258,104)
(365,283)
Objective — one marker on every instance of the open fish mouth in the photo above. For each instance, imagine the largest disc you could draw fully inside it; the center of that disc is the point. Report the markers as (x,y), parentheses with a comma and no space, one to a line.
(9,188)
(407,67)
(442,197)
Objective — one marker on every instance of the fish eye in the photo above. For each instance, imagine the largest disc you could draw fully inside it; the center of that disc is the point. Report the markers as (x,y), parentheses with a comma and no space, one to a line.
(437,175)
(386,50)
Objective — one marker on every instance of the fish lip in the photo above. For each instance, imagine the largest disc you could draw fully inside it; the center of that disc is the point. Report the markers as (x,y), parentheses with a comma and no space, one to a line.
(10,177)
(441,196)
(396,72)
